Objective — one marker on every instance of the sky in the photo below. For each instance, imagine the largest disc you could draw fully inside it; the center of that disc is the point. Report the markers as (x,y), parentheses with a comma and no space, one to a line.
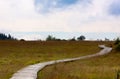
(35,19)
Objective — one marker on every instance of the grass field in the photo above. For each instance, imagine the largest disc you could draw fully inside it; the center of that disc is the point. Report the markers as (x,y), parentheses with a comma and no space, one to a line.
(103,67)
(15,55)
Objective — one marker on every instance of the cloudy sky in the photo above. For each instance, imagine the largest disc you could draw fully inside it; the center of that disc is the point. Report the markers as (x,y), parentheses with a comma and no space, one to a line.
(31,18)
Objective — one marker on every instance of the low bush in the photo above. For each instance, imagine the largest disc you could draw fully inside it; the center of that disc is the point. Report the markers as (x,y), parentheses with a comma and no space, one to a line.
(117,47)
(117,44)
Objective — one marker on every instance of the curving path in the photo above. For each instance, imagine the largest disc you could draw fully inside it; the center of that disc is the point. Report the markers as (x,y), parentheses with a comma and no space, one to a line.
(30,72)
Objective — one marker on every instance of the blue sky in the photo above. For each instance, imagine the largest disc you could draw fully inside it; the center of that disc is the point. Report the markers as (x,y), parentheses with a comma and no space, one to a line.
(58,3)
(29,19)
(47,5)
(115,8)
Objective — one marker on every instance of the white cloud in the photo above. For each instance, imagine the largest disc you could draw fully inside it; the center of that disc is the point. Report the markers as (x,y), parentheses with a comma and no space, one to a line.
(20,15)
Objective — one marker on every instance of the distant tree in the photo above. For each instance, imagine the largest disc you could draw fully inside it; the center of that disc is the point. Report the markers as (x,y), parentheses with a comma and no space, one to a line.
(51,38)
(3,36)
(58,39)
(22,39)
(81,38)
(10,37)
(106,39)
(6,37)
(72,39)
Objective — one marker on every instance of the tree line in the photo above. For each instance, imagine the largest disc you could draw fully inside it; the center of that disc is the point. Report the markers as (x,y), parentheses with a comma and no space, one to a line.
(51,38)
(6,37)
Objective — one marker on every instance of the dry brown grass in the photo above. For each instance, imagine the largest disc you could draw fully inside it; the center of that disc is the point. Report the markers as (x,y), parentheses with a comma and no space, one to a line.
(103,67)
(15,55)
